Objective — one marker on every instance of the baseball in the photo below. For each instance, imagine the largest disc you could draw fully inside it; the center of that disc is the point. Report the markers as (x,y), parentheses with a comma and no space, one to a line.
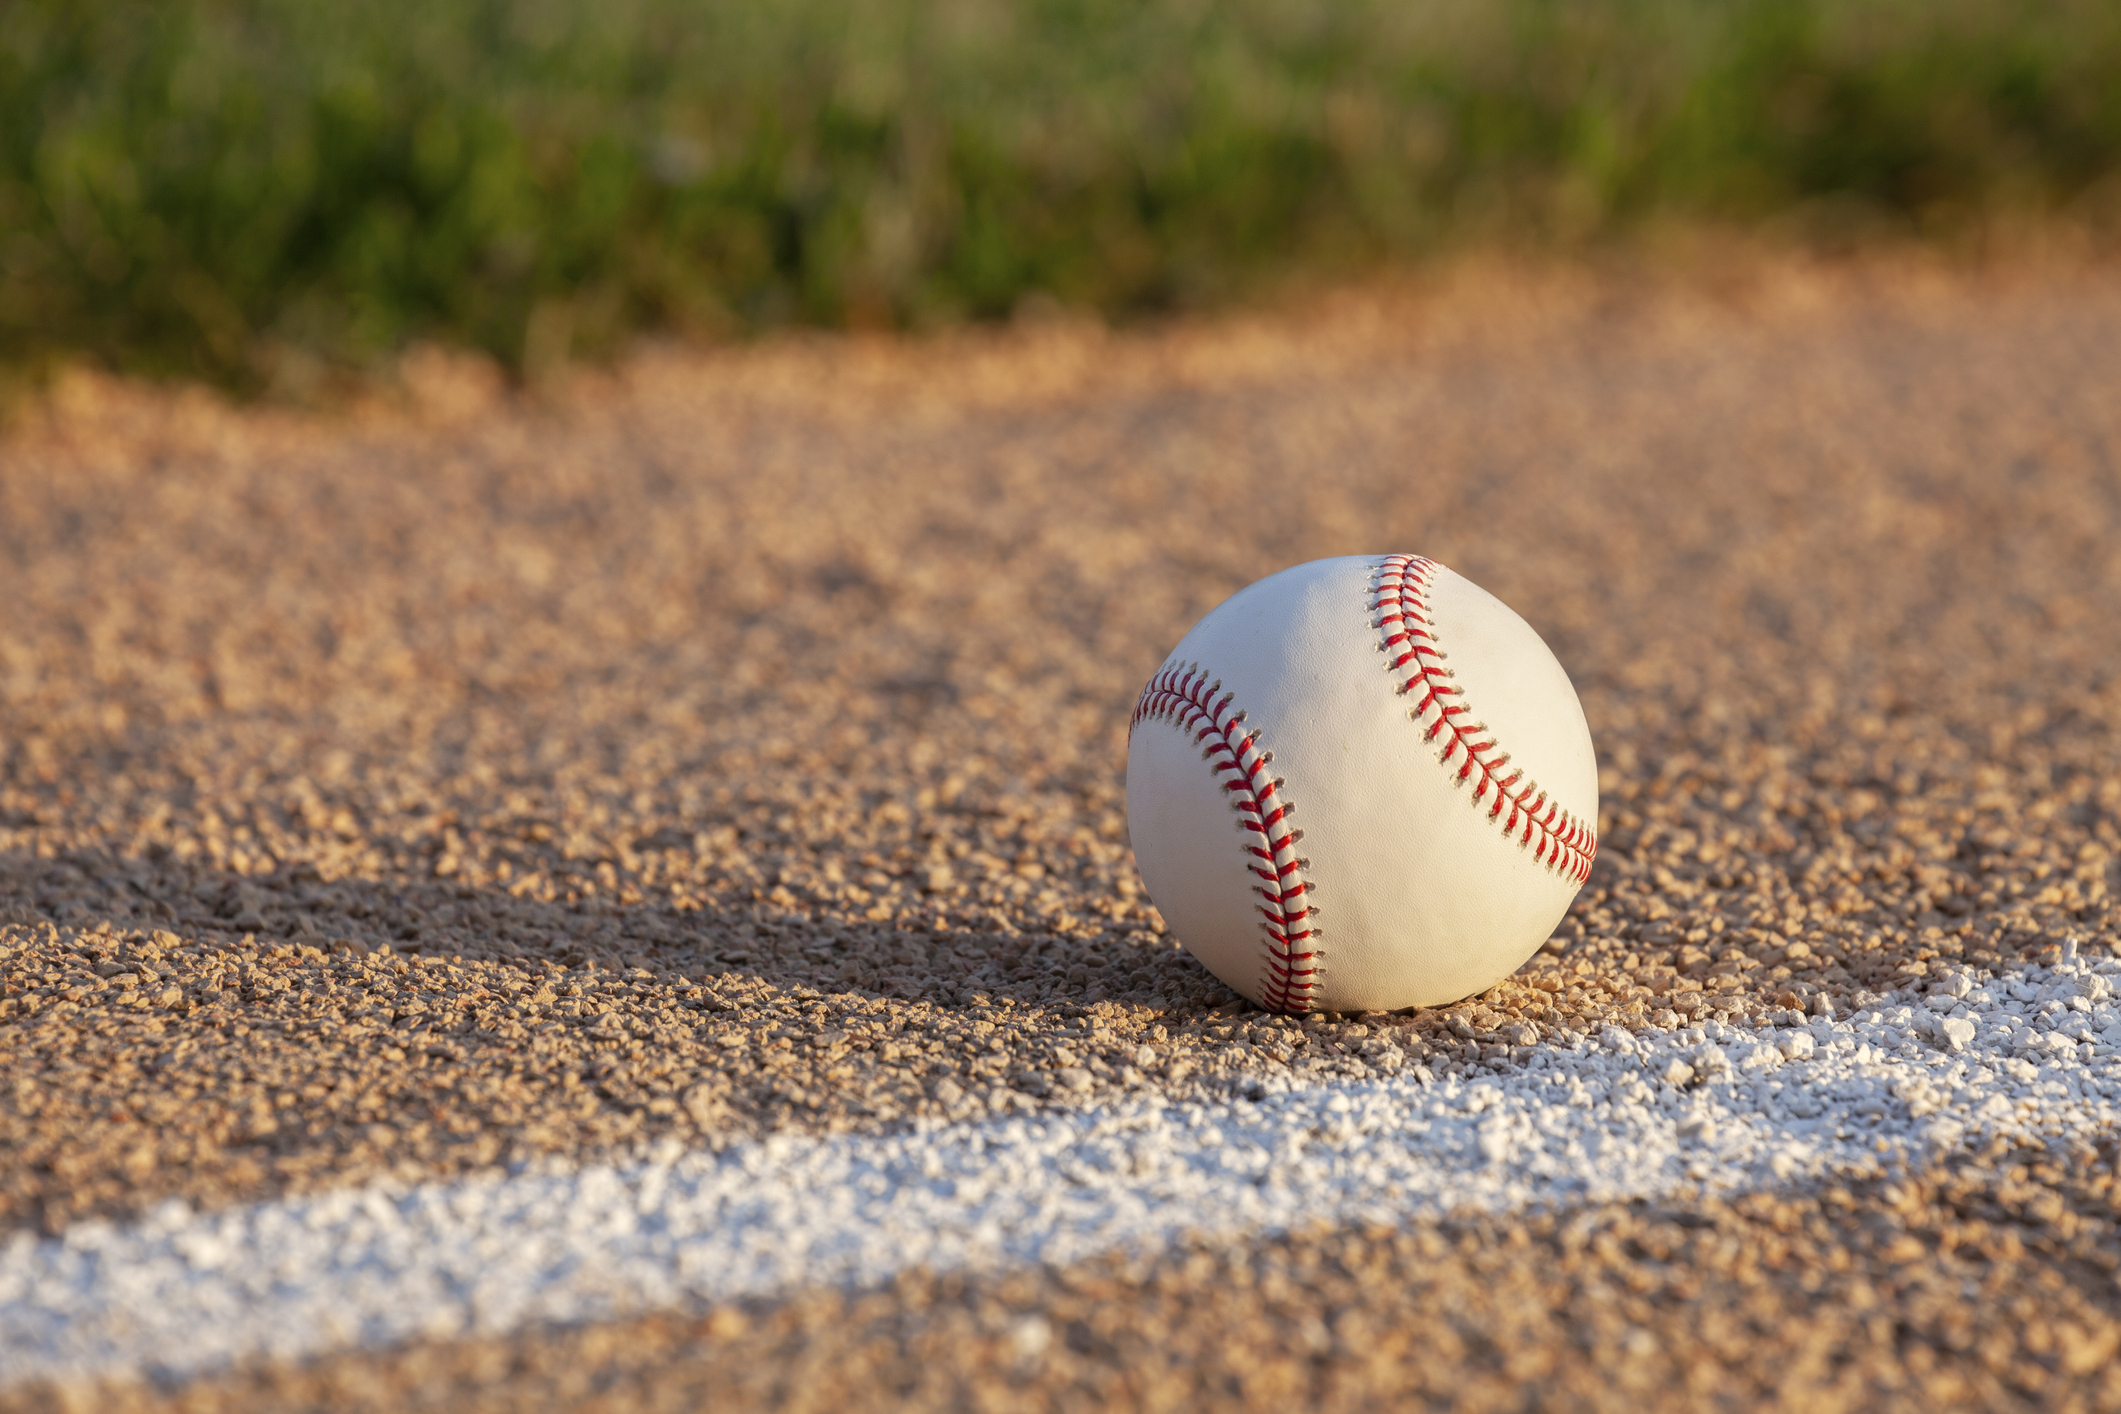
(1362,784)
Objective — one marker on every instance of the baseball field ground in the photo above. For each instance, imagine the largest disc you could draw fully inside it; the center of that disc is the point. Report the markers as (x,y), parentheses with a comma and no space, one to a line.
(618,897)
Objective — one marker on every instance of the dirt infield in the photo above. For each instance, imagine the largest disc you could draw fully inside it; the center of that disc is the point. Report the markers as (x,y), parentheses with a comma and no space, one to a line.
(734,744)
(1989,1289)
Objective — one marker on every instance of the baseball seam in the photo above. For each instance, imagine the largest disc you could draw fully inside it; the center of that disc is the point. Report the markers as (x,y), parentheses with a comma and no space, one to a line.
(1185,697)
(1399,602)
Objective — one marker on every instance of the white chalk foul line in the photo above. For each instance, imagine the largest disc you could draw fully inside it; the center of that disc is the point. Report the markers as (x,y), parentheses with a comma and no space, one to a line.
(1613,1117)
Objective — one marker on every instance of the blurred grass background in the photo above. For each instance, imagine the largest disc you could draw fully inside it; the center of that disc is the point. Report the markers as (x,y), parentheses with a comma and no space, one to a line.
(262,191)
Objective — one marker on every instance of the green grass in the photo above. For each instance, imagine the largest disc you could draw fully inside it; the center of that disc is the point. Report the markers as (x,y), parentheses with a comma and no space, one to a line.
(253,190)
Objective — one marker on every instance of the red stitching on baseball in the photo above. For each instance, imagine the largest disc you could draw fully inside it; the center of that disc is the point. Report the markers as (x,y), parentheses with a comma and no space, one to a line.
(1184,697)
(1558,840)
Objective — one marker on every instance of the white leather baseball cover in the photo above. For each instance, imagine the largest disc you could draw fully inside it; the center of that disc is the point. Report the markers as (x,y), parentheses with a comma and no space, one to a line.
(1362,784)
